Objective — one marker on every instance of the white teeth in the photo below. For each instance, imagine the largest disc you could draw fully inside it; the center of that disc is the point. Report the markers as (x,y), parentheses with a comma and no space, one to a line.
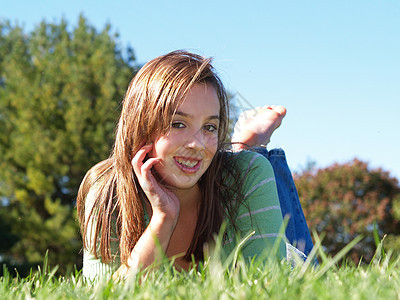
(187,163)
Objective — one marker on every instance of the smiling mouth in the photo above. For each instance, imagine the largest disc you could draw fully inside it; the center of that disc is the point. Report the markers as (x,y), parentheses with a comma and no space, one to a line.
(187,165)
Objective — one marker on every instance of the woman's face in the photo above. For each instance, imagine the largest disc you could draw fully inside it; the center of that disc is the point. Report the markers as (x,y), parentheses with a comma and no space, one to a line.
(187,150)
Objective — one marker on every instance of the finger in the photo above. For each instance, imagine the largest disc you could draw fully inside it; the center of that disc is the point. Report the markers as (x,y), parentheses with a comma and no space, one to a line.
(145,176)
(146,168)
(279,109)
(147,180)
(137,160)
(143,169)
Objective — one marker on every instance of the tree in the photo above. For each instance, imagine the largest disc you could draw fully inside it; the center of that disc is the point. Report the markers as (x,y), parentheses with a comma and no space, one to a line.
(59,95)
(346,200)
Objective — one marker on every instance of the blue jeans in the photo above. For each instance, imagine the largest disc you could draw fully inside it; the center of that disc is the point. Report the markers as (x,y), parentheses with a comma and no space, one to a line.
(297,231)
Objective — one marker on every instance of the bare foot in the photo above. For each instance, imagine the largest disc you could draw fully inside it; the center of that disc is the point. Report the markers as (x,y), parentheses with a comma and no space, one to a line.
(255,127)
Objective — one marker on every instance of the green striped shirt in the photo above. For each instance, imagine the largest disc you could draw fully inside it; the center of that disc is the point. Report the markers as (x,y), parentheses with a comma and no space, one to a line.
(259,213)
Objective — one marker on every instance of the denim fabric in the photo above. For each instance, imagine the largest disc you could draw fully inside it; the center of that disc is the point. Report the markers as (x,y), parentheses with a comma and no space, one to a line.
(297,231)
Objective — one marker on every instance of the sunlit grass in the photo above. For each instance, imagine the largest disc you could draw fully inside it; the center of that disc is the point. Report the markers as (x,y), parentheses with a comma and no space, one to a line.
(217,279)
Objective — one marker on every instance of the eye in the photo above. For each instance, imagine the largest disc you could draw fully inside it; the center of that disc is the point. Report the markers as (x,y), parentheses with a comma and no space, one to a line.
(211,128)
(177,125)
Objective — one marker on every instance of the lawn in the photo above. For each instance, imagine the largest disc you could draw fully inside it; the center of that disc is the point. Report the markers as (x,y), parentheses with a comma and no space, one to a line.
(216,280)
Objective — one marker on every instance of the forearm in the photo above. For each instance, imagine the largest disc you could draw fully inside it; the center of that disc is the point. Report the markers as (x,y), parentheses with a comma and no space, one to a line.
(262,212)
(153,243)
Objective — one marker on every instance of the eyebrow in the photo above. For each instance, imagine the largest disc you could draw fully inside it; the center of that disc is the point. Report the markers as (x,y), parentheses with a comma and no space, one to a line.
(191,116)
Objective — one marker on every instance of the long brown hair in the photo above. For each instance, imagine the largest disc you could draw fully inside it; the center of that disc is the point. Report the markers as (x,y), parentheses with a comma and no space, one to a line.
(148,107)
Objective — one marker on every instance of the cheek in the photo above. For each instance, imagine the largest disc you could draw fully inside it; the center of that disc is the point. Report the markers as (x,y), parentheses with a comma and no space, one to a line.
(161,147)
(212,144)
(153,152)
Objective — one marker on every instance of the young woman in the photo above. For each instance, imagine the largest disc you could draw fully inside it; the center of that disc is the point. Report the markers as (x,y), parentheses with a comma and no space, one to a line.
(169,182)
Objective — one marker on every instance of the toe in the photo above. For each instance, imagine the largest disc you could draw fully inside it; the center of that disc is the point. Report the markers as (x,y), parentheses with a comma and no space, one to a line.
(279,109)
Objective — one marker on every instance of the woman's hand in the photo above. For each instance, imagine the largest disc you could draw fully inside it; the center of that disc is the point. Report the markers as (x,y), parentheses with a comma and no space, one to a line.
(121,273)
(165,212)
(164,203)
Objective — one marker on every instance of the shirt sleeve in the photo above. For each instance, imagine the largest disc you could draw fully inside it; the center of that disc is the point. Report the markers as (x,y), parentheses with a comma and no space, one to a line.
(260,211)
(94,269)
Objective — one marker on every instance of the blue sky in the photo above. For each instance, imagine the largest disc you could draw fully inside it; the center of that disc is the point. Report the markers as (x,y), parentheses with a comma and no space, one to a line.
(335,65)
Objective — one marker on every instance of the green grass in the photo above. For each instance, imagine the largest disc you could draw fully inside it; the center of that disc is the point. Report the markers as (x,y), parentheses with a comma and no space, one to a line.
(215,280)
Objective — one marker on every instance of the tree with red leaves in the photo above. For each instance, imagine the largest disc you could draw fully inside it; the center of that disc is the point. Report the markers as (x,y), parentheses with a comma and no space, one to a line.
(343,201)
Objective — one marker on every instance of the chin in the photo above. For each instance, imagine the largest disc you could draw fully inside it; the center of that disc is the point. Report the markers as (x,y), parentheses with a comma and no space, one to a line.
(183,183)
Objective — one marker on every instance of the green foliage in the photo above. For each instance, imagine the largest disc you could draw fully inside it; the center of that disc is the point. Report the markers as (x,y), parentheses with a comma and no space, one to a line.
(347,200)
(59,95)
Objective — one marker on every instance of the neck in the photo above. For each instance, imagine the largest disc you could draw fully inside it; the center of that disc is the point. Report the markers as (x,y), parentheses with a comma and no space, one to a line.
(189,198)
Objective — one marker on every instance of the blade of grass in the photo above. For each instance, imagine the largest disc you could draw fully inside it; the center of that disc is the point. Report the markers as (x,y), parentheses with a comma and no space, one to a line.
(331,262)
(311,257)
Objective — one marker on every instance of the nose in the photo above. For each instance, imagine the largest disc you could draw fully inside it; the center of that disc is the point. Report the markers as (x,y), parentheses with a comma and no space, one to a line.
(196,141)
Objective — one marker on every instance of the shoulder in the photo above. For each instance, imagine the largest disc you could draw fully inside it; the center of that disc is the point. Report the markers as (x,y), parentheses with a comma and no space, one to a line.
(92,184)
(92,194)
(252,173)
(258,208)
(96,198)
(252,163)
